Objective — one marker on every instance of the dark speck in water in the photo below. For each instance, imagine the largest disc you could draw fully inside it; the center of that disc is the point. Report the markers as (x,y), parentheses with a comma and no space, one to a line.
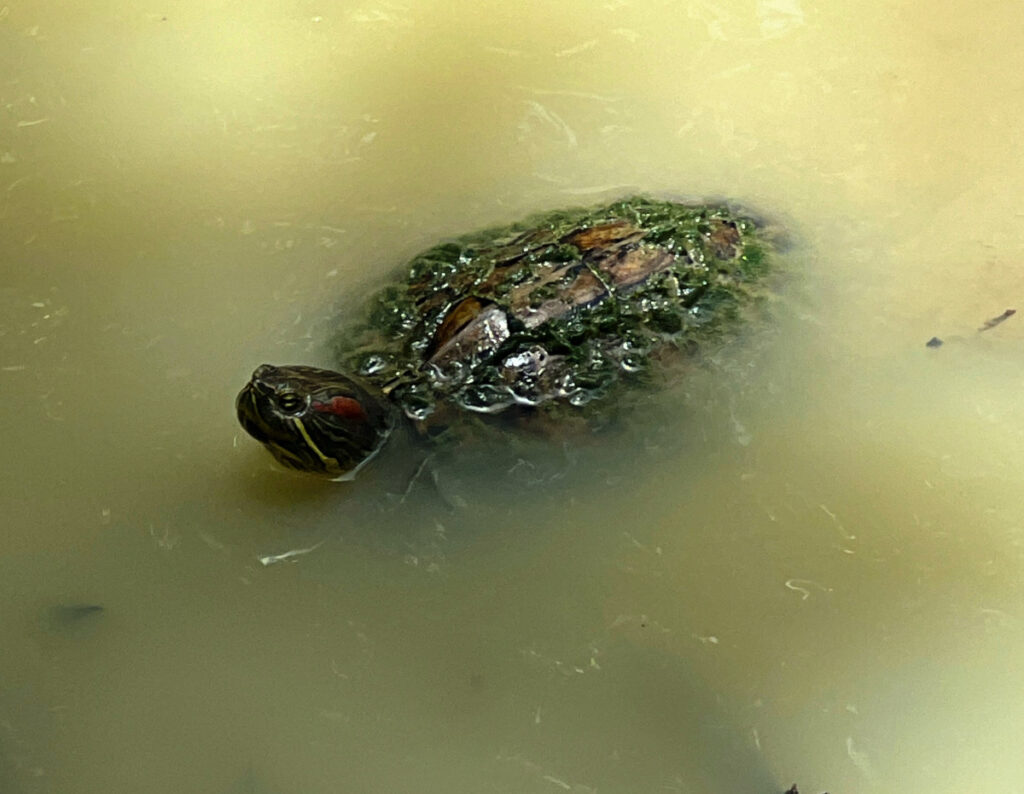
(66,616)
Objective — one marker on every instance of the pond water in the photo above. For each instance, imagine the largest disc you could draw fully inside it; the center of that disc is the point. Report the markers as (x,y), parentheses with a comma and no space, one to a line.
(802,564)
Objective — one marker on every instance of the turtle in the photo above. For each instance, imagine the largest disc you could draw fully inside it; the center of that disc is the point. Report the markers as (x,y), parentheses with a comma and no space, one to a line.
(541,321)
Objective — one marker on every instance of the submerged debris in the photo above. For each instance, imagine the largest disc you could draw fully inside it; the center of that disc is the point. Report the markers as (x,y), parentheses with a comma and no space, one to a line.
(75,612)
(1006,315)
(996,320)
(271,559)
(67,617)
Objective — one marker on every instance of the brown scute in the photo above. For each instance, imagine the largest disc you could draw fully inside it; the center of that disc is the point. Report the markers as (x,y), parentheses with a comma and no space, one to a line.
(458,317)
(634,265)
(585,288)
(476,340)
(519,296)
(603,235)
(499,275)
(724,239)
(433,301)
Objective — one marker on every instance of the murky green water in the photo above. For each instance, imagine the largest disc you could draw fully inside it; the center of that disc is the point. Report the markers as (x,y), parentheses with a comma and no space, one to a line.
(804,564)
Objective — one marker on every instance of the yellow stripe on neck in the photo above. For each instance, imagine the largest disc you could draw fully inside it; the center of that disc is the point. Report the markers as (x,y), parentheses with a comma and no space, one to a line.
(328,462)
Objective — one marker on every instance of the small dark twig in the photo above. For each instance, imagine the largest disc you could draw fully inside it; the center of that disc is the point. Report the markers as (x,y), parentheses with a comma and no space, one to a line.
(996,320)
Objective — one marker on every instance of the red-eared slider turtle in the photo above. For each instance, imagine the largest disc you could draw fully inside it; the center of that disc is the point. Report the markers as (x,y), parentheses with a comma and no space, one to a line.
(552,315)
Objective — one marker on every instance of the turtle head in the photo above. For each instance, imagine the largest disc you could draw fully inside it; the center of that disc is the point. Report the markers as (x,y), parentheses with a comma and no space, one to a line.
(314,420)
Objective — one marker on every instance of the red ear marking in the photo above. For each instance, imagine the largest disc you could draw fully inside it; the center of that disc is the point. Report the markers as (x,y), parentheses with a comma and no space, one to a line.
(342,406)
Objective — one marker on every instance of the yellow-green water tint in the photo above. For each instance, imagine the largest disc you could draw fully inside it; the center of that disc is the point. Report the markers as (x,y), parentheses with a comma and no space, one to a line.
(805,564)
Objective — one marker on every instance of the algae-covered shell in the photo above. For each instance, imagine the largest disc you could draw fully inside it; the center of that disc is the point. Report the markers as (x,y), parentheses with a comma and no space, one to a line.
(560,307)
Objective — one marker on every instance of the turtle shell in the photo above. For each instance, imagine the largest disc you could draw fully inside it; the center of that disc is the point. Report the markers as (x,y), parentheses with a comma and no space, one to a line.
(560,308)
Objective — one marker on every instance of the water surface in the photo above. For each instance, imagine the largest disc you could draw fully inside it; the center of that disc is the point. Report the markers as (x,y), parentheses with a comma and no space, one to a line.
(804,563)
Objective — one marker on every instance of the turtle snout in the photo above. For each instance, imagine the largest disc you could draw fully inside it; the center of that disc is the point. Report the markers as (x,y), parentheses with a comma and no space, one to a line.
(264,371)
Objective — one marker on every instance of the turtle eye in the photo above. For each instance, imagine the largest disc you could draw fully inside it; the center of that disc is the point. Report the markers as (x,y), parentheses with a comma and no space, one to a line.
(290,402)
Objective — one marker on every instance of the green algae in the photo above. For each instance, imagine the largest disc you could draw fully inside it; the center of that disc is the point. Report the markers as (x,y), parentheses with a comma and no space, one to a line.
(718,260)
